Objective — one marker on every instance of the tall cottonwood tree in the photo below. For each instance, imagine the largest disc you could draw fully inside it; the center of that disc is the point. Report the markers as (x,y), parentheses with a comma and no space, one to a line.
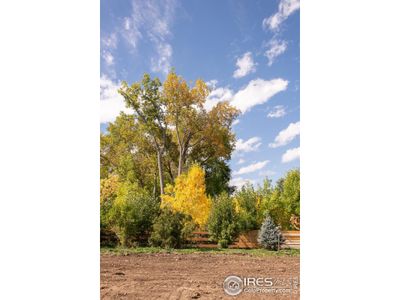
(185,112)
(218,139)
(169,131)
(145,99)
(206,134)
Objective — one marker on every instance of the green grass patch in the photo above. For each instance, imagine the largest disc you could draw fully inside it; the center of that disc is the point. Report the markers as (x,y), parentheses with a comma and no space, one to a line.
(151,250)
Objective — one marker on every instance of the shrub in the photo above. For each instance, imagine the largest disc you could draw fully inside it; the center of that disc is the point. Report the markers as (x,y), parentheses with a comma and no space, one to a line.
(108,238)
(222,223)
(223,243)
(171,229)
(270,236)
(132,214)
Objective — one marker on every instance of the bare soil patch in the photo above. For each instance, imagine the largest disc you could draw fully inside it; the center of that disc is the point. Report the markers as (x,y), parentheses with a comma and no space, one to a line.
(189,276)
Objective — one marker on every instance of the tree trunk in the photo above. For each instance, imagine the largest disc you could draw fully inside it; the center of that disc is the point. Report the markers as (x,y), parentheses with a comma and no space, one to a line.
(183,148)
(180,165)
(155,185)
(160,171)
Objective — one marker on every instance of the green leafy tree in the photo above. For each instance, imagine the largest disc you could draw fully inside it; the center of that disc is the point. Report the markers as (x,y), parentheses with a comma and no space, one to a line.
(146,100)
(248,202)
(218,175)
(222,223)
(282,202)
(133,213)
(276,208)
(126,151)
(291,192)
(265,193)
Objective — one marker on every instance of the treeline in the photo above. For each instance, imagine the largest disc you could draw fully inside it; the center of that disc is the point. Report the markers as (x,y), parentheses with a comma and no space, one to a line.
(164,170)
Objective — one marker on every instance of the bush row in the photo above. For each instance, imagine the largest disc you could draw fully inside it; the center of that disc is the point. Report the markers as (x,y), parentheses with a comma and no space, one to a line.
(139,218)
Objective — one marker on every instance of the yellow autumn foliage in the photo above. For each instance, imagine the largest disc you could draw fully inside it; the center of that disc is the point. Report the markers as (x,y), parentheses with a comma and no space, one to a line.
(188,195)
(108,188)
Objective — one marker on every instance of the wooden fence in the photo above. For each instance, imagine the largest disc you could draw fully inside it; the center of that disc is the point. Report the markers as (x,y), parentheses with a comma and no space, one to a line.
(248,240)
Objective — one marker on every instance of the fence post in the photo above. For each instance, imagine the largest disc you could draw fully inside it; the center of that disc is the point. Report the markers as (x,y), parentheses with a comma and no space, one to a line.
(279,242)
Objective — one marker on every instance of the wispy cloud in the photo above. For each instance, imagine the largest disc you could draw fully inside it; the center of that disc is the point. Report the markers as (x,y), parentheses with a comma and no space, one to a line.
(287,135)
(285,9)
(111,103)
(245,65)
(162,62)
(252,144)
(109,44)
(291,154)
(277,112)
(110,41)
(275,48)
(251,168)
(131,26)
(108,57)
(152,19)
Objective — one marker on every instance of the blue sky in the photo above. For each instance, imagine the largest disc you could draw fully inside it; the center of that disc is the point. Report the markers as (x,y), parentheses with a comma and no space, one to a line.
(247,51)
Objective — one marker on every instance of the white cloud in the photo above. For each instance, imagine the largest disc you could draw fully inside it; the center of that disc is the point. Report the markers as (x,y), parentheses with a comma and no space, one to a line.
(152,19)
(111,103)
(251,168)
(212,84)
(252,144)
(216,96)
(275,48)
(108,58)
(277,112)
(238,182)
(291,154)
(285,9)
(245,66)
(235,122)
(257,92)
(287,135)
(241,161)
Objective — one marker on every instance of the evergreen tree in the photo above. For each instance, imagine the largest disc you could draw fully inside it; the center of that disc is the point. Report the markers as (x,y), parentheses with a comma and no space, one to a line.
(270,236)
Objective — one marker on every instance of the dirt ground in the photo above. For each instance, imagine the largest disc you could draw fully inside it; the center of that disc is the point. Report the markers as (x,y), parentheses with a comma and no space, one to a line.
(192,276)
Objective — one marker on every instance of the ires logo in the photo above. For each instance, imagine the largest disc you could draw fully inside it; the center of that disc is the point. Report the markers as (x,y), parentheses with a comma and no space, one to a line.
(234,285)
